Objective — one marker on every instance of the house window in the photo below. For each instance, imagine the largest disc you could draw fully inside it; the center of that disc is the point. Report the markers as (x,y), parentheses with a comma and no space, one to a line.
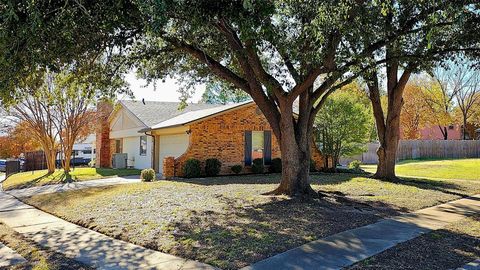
(143,145)
(118,146)
(87,152)
(258,145)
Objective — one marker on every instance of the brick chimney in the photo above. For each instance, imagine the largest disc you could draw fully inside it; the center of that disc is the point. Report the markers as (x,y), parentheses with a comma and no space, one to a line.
(103,153)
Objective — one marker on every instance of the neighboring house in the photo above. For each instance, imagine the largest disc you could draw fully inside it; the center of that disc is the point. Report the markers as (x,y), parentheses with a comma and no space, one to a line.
(454,132)
(150,132)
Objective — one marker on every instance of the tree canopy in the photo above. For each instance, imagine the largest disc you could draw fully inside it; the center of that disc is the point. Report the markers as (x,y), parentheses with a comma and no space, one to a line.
(221,93)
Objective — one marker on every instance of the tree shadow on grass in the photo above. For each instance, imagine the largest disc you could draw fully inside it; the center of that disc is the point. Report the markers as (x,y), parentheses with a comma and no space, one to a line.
(31,183)
(248,233)
(271,178)
(53,178)
(320,179)
(444,186)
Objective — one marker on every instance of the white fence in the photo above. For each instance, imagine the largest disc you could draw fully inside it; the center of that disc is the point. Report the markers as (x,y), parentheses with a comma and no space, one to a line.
(411,149)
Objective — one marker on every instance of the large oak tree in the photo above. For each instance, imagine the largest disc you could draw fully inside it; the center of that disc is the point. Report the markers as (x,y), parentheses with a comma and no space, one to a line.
(278,52)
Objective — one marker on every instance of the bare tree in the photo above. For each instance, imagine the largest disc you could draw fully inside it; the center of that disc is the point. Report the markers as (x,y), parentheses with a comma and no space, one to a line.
(468,95)
(460,84)
(36,111)
(441,99)
(72,117)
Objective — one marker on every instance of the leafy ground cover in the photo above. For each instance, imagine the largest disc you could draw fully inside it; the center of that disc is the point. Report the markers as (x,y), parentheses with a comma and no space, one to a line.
(226,222)
(448,248)
(41,177)
(467,169)
(38,258)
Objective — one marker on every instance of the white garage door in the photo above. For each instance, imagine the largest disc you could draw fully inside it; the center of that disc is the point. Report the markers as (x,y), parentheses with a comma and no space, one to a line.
(172,146)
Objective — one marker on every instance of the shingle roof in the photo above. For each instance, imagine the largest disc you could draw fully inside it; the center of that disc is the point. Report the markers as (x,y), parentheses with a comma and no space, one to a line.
(160,114)
(154,112)
(195,115)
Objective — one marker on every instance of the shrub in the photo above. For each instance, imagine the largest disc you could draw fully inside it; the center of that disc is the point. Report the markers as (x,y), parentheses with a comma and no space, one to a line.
(212,167)
(276,165)
(236,169)
(257,165)
(148,175)
(355,164)
(192,169)
(312,166)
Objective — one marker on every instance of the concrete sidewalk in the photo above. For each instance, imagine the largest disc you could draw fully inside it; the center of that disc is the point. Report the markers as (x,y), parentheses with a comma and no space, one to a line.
(8,257)
(27,192)
(82,244)
(346,248)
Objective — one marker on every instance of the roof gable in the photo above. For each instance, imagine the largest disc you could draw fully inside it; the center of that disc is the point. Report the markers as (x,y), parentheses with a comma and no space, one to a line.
(123,120)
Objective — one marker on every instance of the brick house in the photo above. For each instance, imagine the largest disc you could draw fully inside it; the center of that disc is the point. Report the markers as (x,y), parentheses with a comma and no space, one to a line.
(158,135)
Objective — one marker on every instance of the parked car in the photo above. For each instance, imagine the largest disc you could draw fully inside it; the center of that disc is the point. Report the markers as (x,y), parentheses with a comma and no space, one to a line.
(75,162)
(3,165)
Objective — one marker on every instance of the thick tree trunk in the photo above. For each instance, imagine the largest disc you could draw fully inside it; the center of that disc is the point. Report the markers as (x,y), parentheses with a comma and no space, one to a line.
(387,154)
(295,148)
(295,169)
(388,127)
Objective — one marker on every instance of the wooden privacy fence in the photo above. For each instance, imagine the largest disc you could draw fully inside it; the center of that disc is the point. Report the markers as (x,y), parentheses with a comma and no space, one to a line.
(412,149)
(35,161)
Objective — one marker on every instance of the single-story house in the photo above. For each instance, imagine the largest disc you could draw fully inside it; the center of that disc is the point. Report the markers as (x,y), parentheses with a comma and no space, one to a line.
(149,133)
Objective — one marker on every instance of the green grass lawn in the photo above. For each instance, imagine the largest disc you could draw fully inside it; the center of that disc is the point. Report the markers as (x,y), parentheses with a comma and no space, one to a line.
(40,178)
(226,222)
(466,169)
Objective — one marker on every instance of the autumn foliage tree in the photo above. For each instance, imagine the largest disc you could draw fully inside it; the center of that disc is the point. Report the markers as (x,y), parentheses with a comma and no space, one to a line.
(416,113)
(57,110)
(439,94)
(17,140)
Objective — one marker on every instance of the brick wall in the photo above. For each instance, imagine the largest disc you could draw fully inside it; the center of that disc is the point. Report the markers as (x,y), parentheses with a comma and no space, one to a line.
(168,167)
(222,137)
(103,152)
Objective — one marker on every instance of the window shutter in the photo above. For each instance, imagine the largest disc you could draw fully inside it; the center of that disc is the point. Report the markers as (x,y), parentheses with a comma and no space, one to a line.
(248,148)
(267,147)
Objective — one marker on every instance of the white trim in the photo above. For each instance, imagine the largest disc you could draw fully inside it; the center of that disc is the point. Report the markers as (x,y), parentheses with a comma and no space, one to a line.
(118,134)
